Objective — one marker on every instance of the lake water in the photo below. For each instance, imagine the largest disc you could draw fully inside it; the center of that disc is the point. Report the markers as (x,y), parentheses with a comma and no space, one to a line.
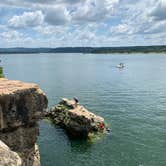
(132,101)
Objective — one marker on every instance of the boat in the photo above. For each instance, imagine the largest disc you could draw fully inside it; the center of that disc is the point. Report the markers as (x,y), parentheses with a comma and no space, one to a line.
(120,65)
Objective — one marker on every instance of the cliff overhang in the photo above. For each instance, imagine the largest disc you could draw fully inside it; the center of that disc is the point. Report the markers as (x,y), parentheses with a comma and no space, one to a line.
(21,106)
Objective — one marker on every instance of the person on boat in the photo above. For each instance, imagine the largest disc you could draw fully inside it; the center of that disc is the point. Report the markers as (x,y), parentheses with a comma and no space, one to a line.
(76,101)
(121,65)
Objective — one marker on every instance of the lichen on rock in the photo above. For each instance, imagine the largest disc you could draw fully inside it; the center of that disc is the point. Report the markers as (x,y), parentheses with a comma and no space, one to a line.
(76,119)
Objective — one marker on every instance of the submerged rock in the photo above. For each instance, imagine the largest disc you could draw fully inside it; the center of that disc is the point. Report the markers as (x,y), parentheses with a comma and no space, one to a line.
(21,106)
(76,119)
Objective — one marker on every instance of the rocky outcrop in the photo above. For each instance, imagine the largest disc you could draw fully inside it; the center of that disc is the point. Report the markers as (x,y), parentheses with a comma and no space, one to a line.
(76,119)
(8,157)
(21,106)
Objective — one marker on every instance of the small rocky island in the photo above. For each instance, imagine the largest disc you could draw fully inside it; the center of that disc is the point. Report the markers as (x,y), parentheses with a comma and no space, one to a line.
(21,106)
(75,119)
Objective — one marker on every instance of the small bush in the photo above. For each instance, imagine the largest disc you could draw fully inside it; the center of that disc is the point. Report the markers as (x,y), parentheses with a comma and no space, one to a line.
(1,72)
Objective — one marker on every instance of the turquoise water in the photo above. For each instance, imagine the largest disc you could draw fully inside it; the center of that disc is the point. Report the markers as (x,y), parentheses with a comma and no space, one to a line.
(132,101)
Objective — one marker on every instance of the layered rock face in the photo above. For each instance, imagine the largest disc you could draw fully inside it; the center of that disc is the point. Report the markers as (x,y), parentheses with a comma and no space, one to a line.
(21,106)
(76,119)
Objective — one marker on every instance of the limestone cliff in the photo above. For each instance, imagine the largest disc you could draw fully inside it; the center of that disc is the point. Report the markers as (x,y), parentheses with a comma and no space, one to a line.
(21,106)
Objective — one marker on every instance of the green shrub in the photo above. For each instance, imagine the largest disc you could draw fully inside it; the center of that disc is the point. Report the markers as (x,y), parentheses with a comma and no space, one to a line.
(1,72)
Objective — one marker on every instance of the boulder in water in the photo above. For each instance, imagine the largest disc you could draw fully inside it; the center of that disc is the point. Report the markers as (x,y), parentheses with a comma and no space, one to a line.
(76,119)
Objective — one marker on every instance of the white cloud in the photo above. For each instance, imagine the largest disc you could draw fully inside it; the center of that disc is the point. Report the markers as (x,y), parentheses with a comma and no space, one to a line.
(121,29)
(50,30)
(60,11)
(159,11)
(13,38)
(93,10)
(27,19)
(11,35)
(84,22)
(158,27)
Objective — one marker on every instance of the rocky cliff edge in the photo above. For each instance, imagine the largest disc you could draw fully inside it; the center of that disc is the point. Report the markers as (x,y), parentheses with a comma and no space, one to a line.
(21,106)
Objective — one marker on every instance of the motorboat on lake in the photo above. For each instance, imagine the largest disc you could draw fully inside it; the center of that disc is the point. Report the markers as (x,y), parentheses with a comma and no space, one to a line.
(120,65)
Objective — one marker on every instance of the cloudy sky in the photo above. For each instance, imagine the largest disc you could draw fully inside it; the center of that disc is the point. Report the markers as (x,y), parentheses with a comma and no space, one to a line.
(60,23)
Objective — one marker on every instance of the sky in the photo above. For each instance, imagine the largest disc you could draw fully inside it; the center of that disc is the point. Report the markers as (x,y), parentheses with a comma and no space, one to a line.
(95,23)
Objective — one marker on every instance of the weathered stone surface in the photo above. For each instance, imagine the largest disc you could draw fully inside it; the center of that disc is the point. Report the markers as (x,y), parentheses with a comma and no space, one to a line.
(76,119)
(8,157)
(33,157)
(21,139)
(21,106)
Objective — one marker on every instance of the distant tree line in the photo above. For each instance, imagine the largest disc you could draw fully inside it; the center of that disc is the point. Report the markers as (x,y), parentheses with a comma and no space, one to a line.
(96,50)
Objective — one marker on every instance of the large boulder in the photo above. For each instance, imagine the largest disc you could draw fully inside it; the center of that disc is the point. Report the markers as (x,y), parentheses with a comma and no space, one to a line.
(8,157)
(76,119)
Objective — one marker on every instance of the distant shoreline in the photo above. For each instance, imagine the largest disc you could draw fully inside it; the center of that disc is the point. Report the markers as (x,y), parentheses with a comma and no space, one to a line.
(86,50)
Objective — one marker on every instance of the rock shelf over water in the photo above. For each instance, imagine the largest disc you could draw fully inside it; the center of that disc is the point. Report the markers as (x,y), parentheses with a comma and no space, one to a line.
(21,106)
(76,119)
